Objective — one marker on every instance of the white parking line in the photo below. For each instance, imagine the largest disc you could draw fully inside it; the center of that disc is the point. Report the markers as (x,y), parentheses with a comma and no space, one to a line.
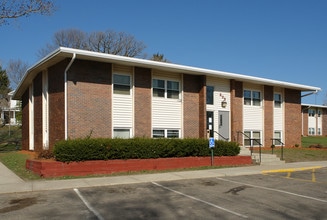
(97,214)
(275,190)
(200,200)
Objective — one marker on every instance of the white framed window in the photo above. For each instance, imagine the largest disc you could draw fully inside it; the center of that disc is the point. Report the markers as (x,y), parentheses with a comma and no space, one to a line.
(252,138)
(312,131)
(319,131)
(277,100)
(165,88)
(210,96)
(277,138)
(319,113)
(312,113)
(252,98)
(165,133)
(122,133)
(122,84)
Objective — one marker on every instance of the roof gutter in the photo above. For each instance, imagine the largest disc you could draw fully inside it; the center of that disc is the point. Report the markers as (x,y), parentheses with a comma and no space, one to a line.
(66,97)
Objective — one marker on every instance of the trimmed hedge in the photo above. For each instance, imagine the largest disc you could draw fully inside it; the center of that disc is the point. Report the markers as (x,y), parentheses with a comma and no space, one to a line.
(139,148)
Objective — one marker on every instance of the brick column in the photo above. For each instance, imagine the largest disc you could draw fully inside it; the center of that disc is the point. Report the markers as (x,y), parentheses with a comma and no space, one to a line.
(142,102)
(293,119)
(324,121)
(236,89)
(268,115)
(194,106)
(25,120)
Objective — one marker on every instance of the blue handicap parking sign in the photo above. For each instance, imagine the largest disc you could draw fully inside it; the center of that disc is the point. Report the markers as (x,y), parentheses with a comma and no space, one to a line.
(211,142)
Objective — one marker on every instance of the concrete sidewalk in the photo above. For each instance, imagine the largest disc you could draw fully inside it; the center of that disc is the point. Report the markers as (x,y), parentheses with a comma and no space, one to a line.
(10,183)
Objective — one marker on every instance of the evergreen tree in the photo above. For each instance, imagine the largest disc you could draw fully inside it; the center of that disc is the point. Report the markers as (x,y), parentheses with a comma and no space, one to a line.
(4,89)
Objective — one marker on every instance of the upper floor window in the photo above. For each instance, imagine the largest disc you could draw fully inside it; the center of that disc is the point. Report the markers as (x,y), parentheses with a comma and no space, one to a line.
(319,113)
(210,90)
(312,113)
(122,84)
(165,88)
(252,98)
(277,100)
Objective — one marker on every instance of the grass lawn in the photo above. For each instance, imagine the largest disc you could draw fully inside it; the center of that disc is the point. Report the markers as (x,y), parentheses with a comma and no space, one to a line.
(307,141)
(300,154)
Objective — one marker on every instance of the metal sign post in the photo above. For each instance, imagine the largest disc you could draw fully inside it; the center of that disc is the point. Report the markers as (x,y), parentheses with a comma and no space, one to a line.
(211,146)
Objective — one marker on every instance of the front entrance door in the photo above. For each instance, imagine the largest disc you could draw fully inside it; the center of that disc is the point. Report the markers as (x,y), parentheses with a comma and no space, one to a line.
(223,120)
(210,123)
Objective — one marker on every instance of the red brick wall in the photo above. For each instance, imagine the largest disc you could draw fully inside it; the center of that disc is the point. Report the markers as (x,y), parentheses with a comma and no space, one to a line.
(37,87)
(324,122)
(194,106)
(236,110)
(268,115)
(305,121)
(293,118)
(25,120)
(56,85)
(89,99)
(142,103)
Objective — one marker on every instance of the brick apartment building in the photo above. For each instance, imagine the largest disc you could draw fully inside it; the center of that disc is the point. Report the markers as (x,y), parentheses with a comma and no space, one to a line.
(314,120)
(75,93)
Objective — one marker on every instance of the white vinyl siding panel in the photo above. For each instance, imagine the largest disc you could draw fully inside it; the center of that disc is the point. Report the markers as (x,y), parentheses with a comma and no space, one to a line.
(122,111)
(253,118)
(166,113)
(221,92)
(253,115)
(122,105)
(278,119)
(122,69)
(312,122)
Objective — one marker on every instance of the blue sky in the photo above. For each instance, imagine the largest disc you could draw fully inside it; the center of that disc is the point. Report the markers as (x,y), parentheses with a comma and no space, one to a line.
(278,39)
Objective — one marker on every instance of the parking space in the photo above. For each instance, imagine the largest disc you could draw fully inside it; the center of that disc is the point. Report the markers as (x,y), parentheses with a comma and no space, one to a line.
(285,194)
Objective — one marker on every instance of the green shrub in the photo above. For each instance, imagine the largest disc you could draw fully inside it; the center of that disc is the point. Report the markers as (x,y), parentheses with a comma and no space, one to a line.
(139,148)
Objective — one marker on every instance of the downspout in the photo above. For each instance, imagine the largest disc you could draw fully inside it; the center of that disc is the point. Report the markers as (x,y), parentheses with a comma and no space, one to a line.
(310,93)
(66,96)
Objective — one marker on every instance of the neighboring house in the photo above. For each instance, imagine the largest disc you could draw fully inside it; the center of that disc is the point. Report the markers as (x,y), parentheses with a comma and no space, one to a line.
(75,93)
(8,114)
(314,120)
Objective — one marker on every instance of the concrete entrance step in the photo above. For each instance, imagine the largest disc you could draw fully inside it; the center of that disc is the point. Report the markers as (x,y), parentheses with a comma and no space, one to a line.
(267,159)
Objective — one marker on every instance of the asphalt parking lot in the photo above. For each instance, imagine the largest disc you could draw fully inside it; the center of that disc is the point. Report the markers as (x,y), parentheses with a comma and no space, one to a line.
(282,194)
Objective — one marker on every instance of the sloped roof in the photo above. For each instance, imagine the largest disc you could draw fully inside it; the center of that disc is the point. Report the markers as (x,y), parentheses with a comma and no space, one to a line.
(62,53)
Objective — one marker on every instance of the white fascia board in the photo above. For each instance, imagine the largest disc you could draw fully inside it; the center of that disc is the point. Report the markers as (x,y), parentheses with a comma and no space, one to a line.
(64,52)
(186,69)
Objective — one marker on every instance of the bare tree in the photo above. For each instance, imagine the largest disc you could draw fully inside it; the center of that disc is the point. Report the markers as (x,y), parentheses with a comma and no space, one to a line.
(110,42)
(159,57)
(15,71)
(11,9)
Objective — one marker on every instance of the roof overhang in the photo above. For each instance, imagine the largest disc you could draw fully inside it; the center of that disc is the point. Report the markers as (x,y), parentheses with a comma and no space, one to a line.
(313,105)
(63,53)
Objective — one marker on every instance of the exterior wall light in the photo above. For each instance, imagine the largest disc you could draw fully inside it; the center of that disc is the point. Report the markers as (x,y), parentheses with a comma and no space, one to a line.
(223,104)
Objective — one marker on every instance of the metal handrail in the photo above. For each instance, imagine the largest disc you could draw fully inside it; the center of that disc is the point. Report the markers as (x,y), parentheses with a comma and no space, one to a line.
(251,146)
(282,147)
(226,139)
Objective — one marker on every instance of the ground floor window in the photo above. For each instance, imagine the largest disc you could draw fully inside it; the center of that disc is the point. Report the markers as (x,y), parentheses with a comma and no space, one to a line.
(319,131)
(122,133)
(312,131)
(252,138)
(277,138)
(165,133)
